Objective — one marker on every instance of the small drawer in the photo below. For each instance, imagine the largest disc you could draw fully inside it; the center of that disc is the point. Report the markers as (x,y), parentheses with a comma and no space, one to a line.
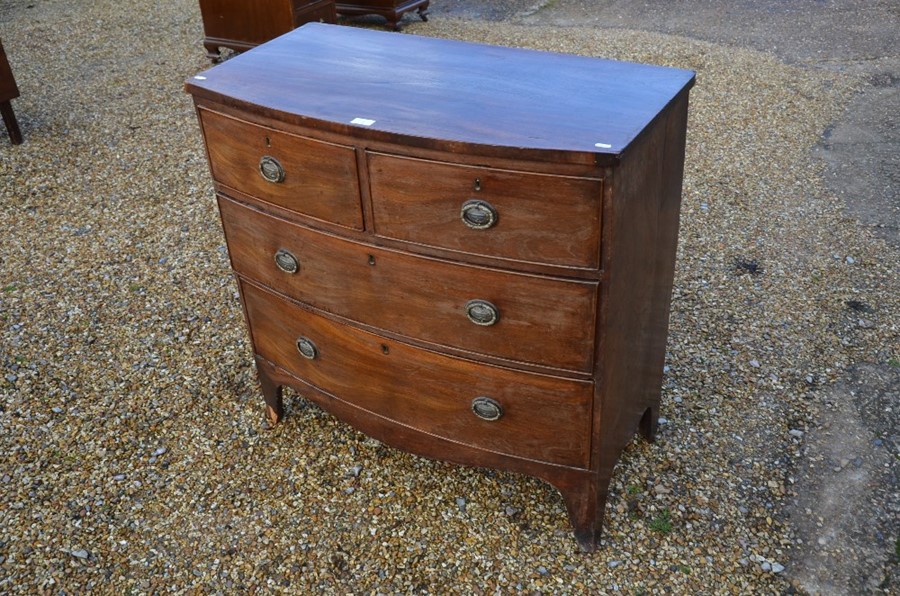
(515,413)
(527,318)
(309,177)
(536,218)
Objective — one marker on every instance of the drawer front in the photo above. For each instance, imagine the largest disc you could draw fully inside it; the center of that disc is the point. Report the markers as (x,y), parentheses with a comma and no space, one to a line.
(310,177)
(540,417)
(540,320)
(306,11)
(537,218)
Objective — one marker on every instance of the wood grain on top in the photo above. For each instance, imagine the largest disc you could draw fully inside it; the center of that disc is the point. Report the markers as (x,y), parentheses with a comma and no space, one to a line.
(446,90)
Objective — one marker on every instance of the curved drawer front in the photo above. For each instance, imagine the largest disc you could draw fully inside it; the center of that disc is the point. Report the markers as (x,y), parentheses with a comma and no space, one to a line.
(310,177)
(537,218)
(540,417)
(541,320)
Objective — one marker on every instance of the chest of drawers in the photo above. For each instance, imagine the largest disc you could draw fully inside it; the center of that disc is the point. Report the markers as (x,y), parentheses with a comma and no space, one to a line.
(471,260)
(243,24)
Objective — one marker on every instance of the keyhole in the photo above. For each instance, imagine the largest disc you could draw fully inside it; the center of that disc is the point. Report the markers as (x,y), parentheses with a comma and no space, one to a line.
(268,142)
(385,349)
(478,184)
(372,260)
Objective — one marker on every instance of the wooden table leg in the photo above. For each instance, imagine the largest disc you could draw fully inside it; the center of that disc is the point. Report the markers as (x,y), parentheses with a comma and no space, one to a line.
(12,126)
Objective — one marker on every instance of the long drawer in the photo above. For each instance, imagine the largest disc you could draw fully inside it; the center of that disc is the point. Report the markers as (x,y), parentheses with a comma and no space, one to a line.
(536,416)
(311,177)
(521,216)
(527,318)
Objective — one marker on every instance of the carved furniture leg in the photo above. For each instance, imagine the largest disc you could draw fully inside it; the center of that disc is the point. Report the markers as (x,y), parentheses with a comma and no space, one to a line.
(12,125)
(212,52)
(272,394)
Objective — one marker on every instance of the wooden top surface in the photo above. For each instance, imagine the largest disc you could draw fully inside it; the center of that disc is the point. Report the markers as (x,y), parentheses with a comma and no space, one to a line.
(446,90)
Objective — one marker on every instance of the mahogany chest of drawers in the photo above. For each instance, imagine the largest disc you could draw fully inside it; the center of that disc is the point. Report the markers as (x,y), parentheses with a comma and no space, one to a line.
(243,24)
(472,259)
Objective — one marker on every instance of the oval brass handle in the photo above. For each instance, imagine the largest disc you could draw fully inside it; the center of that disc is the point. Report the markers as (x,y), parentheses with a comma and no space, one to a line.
(271,169)
(487,408)
(286,261)
(478,215)
(307,348)
(482,312)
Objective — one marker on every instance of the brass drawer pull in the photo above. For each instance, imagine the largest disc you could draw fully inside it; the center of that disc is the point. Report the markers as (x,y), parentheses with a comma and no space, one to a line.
(478,215)
(487,408)
(271,169)
(286,261)
(482,312)
(307,348)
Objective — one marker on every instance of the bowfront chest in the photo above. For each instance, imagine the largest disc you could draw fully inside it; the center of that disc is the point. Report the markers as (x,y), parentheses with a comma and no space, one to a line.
(470,259)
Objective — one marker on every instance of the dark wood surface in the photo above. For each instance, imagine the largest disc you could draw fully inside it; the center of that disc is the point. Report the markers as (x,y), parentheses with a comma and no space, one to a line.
(581,266)
(420,201)
(8,91)
(426,390)
(447,90)
(392,10)
(542,320)
(243,24)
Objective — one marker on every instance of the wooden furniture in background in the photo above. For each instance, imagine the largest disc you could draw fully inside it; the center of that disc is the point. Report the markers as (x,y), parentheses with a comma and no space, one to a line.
(475,266)
(8,92)
(392,10)
(243,24)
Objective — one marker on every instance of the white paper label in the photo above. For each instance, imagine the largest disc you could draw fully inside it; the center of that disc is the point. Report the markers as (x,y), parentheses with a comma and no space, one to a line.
(362,121)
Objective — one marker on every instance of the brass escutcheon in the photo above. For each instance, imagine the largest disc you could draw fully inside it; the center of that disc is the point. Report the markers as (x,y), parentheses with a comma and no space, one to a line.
(487,408)
(307,348)
(482,312)
(270,169)
(478,215)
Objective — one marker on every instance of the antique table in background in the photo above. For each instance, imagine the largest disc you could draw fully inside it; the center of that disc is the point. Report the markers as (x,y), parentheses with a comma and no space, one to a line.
(392,10)
(468,255)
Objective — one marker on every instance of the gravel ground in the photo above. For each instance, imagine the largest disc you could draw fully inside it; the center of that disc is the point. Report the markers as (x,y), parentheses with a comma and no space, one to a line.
(133,447)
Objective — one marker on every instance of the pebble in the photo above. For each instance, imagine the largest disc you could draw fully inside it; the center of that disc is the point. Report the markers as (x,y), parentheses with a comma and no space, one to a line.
(461,504)
(777,567)
(12,378)
(542,570)
(796,433)
(354,471)
(80,553)
(614,564)
(754,363)
(159,451)
(663,421)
